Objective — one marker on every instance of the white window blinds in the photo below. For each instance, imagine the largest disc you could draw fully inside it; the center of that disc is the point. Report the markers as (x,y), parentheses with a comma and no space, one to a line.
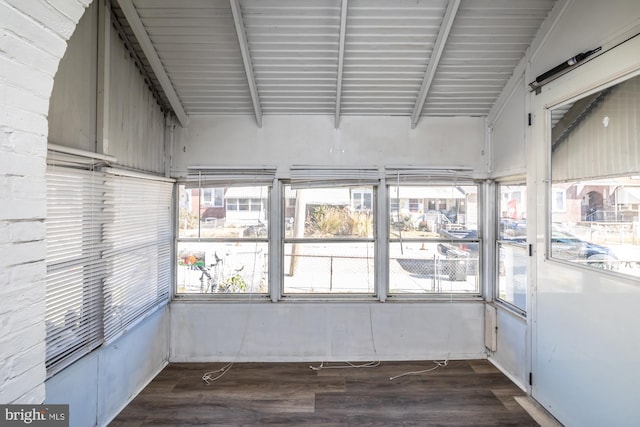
(422,175)
(208,177)
(75,265)
(313,176)
(108,256)
(137,249)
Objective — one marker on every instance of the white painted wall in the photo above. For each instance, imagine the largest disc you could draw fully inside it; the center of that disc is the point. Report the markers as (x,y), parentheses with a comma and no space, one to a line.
(33,40)
(508,148)
(511,354)
(135,124)
(98,386)
(325,331)
(72,109)
(313,140)
(586,331)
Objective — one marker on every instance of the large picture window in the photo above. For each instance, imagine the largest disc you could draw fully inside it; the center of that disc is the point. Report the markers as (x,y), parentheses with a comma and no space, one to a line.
(595,180)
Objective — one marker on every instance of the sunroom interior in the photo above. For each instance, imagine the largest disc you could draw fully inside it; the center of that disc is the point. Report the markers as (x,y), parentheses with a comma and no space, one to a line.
(326,180)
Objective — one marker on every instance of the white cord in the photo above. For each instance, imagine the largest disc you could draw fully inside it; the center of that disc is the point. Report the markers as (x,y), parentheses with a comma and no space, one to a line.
(439,364)
(210,377)
(207,377)
(345,365)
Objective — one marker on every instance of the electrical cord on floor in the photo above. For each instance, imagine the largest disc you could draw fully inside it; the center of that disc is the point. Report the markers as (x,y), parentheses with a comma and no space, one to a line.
(345,365)
(439,364)
(211,377)
(208,377)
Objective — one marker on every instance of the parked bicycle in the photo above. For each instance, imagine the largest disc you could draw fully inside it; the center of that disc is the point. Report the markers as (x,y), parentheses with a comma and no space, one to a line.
(214,279)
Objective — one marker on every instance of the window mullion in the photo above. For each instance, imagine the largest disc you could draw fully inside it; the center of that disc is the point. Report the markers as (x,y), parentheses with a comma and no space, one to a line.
(382,232)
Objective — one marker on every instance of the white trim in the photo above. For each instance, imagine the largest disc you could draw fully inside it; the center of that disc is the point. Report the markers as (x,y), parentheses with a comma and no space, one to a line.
(82,153)
(135,174)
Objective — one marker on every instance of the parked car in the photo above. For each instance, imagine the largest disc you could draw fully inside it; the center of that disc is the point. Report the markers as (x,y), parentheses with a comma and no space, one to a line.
(568,247)
(464,253)
(564,246)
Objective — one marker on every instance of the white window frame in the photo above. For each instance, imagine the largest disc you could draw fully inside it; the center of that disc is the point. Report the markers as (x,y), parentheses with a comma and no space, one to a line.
(417,176)
(506,243)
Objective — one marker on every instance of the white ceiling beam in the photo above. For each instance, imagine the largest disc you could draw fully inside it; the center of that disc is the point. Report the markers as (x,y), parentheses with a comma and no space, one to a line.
(343,30)
(438,48)
(142,36)
(246,59)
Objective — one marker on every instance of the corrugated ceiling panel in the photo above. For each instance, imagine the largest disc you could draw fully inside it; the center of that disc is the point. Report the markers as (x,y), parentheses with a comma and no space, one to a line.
(197,44)
(487,40)
(388,45)
(294,50)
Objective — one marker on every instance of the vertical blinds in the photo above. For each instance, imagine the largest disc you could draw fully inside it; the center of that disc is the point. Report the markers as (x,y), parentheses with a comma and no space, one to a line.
(108,256)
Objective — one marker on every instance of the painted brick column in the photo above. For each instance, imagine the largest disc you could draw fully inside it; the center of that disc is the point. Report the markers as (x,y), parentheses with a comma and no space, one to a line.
(33,39)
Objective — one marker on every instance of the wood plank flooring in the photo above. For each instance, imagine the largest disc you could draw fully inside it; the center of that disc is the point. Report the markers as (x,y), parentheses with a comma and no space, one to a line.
(463,393)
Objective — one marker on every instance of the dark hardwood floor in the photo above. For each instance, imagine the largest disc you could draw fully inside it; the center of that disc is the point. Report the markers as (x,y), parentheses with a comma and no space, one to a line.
(463,393)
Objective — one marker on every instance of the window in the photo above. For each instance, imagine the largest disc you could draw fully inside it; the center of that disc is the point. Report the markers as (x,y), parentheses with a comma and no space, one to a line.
(594,192)
(225,251)
(558,200)
(315,233)
(213,197)
(511,246)
(329,238)
(329,247)
(108,245)
(137,248)
(433,251)
(235,204)
(361,200)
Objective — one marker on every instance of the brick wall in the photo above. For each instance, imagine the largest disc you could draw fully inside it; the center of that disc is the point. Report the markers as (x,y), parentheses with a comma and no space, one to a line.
(33,38)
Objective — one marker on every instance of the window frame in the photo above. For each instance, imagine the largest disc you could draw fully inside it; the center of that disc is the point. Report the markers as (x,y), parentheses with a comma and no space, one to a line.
(228,178)
(502,242)
(415,176)
(575,179)
(353,188)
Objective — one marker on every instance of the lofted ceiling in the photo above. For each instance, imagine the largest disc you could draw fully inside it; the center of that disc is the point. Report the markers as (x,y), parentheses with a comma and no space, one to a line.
(332,57)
